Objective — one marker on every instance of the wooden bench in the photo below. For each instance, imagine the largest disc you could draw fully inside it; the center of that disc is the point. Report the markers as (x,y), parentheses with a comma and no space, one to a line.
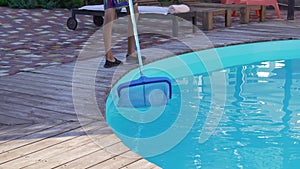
(243,9)
(207,14)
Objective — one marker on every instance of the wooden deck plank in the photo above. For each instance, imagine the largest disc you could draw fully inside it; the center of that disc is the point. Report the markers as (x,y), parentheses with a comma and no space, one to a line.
(244,36)
(35,114)
(39,102)
(14,98)
(75,131)
(23,132)
(101,81)
(67,70)
(94,158)
(65,74)
(41,89)
(140,164)
(36,146)
(33,83)
(7,128)
(156,167)
(36,107)
(45,90)
(58,107)
(9,120)
(76,153)
(257,31)
(118,162)
(38,99)
(43,79)
(61,150)
(49,131)
(52,151)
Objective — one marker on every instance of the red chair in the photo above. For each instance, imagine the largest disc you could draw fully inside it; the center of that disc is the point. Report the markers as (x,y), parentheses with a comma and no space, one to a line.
(256,2)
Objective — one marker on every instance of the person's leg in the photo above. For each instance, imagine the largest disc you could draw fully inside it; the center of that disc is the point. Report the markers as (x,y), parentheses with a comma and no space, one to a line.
(109,17)
(131,51)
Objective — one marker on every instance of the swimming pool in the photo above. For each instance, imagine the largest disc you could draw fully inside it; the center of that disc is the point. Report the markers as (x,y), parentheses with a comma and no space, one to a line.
(232,107)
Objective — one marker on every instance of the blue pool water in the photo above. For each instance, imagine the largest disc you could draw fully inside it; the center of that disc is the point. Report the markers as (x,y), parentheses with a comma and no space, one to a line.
(232,107)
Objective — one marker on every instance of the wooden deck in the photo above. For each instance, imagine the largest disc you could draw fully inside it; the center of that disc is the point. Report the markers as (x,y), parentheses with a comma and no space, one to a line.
(39,127)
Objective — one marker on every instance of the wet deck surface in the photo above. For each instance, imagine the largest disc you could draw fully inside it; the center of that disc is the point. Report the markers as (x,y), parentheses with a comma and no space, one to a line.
(52,110)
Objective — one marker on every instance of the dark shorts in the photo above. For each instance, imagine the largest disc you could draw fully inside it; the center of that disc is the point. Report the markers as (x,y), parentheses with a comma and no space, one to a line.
(116,3)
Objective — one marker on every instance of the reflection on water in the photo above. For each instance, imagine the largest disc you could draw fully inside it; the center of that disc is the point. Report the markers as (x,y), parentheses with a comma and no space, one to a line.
(260,127)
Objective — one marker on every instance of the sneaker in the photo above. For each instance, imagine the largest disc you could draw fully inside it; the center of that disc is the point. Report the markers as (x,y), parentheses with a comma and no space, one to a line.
(109,64)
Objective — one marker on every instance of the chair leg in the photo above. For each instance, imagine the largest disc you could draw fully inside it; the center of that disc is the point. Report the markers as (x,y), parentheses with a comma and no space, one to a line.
(257,13)
(233,13)
(277,10)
